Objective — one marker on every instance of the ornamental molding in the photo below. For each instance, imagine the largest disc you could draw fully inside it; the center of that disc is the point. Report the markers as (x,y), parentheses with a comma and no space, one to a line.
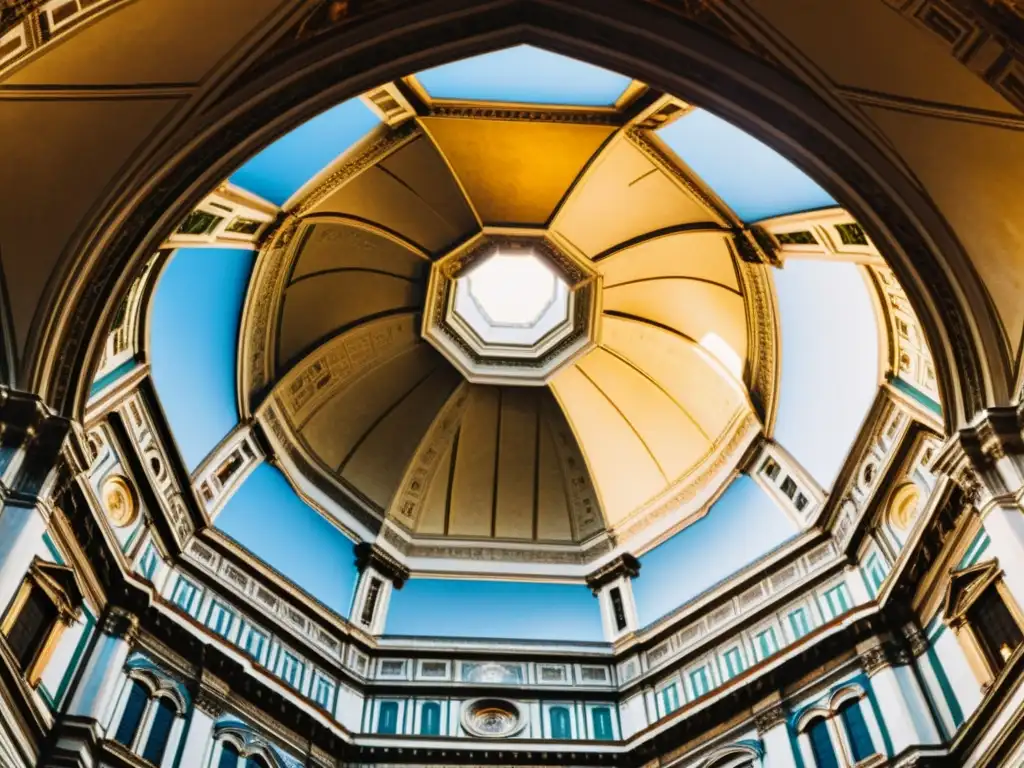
(371,556)
(651,148)
(262,303)
(875,660)
(623,566)
(386,144)
(763,338)
(529,361)
(769,719)
(532,115)
(407,504)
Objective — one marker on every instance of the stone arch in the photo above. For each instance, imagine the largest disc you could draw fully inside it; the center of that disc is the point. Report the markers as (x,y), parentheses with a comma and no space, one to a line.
(634,37)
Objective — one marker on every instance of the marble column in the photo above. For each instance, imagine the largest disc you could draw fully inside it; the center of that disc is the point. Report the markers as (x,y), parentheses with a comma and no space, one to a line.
(774,734)
(94,695)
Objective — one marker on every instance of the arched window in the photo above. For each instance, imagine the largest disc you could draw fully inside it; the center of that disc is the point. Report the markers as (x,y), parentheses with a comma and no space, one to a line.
(255,761)
(856,730)
(560,725)
(821,744)
(138,698)
(387,717)
(160,732)
(228,756)
(602,721)
(430,719)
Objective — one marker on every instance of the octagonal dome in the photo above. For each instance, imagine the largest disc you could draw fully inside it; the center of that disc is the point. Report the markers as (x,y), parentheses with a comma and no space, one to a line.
(519,335)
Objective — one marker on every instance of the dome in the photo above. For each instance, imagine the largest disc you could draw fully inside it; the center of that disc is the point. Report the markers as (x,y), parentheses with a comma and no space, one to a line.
(637,418)
(511,322)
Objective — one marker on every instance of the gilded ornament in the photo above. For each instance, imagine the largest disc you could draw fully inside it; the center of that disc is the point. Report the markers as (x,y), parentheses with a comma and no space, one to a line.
(119,501)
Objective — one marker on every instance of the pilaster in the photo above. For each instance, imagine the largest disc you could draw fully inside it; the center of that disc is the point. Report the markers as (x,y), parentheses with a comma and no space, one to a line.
(989,461)
(379,573)
(770,722)
(612,585)
(94,695)
(904,708)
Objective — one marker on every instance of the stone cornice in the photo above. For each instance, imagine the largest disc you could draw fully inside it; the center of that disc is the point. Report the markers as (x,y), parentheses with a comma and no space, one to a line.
(623,566)
(998,433)
(371,556)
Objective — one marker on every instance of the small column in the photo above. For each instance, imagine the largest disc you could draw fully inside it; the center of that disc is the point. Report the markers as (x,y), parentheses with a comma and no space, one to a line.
(887,668)
(94,696)
(207,706)
(379,573)
(771,727)
(31,440)
(612,585)
(994,448)
(855,583)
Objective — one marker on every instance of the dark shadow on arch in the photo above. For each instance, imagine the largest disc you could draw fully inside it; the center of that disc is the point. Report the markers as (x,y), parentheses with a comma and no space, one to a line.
(8,345)
(631,36)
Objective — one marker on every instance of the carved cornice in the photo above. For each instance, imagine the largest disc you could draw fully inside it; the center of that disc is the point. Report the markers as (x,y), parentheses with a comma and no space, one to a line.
(623,566)
(769,719)
(212,695)
(875,660)
(122,624)
(882,656)
(370,555)
(917,642)
(998,434)
(533,115)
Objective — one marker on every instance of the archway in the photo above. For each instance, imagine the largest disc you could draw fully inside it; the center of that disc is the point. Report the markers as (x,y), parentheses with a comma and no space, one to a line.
(667,50)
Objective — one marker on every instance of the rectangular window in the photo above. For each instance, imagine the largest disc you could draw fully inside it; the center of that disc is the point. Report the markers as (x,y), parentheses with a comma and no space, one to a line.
(199,223)
(29,630)
(800,502)
(770,468)
(766,644)
(669,699)
(733,663)
(220,618)
(601,718)
(184,595)
(837,600)
(700,682)
(255,643)
(618,609)
(370,606)
(876,573)
(387,717)
(291,669)
(788,486)
(147,564)
(323,693)
(430,719)
(798,623)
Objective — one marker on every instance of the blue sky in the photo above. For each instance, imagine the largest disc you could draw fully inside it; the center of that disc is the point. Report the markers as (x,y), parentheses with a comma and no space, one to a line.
(830,364)
(193,340)
(266,516)
(280,170)
(526,75)
(482,609)
(740,527)
(753,179)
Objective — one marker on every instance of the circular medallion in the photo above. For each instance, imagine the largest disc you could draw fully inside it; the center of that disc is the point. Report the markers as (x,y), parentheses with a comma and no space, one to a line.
(492,718)
(119,500)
